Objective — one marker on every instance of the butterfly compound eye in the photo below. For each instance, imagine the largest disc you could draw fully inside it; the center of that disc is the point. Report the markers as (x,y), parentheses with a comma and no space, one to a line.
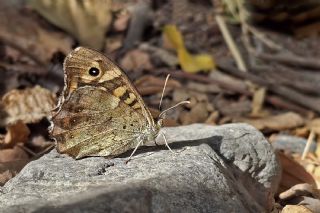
(94,71)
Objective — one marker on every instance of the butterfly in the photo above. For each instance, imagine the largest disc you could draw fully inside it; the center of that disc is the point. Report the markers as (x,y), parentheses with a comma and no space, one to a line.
(100,112)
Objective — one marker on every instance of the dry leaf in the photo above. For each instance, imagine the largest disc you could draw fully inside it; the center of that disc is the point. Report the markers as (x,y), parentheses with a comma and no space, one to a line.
(198,114)
(181,94)
(213,118)
(16,153)
(5,176)
(317,152)
(314,124)
(86,20)
(113,43)
(16,133)
(9,169)
(148,85)
(295,209)
(302,189)
(232,108)
(302,194)
(292,173)
(122,21)
(283,121)
(160,54)
(189,63)
(25,34)
(29,105)
(136,60)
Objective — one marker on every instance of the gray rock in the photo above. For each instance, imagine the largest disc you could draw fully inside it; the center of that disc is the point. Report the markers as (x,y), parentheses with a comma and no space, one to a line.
(291,143)
(229,168)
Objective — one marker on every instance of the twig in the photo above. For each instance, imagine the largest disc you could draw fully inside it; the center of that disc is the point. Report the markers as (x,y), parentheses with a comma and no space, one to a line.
(205,79)
(309,142)
(231,44)
(292,95)
(263,38)
(274,100)
(283,104)
(26,149)
(24,68)
(290,59)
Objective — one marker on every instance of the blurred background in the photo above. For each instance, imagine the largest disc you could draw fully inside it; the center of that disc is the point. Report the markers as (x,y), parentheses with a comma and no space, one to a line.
(252,61)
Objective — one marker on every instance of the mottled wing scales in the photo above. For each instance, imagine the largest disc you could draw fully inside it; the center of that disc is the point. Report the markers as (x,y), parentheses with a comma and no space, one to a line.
(95,122)
(112,78)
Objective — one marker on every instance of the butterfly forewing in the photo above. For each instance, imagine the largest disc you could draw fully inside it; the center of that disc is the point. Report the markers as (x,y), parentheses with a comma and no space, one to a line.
(100,112)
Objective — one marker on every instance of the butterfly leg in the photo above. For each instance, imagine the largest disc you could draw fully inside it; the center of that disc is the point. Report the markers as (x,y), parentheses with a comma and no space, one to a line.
(135,149)
(165,141)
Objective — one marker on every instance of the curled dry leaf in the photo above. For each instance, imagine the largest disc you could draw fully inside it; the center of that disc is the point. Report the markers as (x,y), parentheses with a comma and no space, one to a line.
(302,189)
(279,122)
(16,133)
(87,21)
(302,194)
(29,105)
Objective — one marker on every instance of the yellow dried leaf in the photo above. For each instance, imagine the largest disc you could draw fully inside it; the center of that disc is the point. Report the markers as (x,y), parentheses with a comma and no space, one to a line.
(174,36)
(189,62)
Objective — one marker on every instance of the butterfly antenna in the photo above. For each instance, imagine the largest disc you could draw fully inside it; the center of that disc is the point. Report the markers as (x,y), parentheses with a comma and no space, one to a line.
(164,88)
(170,108)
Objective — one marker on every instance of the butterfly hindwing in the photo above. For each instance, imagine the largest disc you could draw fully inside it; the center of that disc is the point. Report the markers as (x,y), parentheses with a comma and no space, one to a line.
(93,122)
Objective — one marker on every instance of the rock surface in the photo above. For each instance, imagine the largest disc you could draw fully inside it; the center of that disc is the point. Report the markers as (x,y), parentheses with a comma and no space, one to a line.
(229,168)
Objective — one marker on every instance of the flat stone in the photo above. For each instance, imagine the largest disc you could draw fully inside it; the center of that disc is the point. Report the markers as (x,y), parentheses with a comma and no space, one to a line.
(229,168)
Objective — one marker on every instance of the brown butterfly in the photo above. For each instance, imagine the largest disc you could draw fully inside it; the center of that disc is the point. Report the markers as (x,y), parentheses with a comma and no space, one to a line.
(100,113)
